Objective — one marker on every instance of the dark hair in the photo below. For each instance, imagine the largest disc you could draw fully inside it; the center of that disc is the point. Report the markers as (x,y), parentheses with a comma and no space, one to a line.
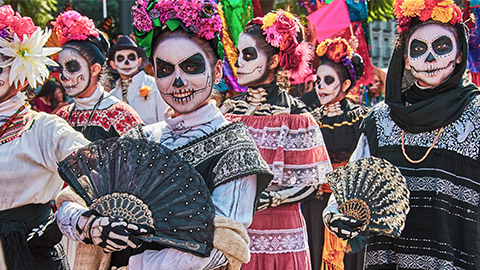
(342,71)
(93,49)
(207,46)
(255,31)
(48,91)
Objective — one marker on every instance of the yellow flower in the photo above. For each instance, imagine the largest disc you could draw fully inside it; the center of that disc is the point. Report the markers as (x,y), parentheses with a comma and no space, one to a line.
(269,20)
(322,48)
(144,90)
(289,15)
(442,14)
(445,3)
(412,8)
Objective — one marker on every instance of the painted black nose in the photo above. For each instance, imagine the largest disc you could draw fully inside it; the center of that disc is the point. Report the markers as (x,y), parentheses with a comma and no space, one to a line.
(430,58)
(178,82)
(63,78)
(236,63)
(126,62)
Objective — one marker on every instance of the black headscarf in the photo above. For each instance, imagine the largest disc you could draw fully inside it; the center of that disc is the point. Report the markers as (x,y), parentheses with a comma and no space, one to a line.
(431,108)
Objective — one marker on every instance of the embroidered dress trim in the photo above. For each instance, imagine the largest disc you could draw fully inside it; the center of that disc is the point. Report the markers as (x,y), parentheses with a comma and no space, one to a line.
(292,145)
(20,124)
(118,116)
(277,241)
(239,158)
(407,261)
(461,136)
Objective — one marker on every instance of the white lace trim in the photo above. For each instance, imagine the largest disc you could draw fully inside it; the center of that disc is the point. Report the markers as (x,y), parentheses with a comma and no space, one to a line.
(278,241)
(290,139)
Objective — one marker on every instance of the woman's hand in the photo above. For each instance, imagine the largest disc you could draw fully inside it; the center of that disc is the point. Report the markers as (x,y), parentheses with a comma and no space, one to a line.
(111,234)
(342,226)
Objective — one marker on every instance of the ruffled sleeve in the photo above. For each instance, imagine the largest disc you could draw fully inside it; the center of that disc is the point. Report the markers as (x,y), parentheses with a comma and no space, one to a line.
(292,146)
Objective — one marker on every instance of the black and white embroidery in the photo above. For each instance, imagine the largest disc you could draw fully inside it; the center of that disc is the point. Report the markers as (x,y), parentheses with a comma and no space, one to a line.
(462,136)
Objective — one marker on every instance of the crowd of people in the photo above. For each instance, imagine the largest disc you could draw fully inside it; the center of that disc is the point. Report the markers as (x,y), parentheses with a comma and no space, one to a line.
(262,155)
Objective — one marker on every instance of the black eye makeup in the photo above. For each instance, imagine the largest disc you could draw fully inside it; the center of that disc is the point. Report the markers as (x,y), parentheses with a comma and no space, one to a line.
(164,69)
(120,58)
(132,57)
(249,54)
(417,48)
(329,80)
(195,64)
(1,70)
(442,45)
(72,66)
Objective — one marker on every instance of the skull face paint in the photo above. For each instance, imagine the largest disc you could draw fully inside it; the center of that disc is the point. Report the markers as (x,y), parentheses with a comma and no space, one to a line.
(184,75)
(4,81)
(252,63)
(75,76)
(126,62)
(432,54)
(328,86)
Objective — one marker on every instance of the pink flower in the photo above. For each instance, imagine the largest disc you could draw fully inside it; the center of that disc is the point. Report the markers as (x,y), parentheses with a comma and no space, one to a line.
(71,25)
(16,24)
(141,20)
(272,36)
(283,24)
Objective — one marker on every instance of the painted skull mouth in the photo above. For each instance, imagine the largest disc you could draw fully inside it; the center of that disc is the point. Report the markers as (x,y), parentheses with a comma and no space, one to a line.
(185,95)
(70,87)
(259,68)
(126,69)
(432,72)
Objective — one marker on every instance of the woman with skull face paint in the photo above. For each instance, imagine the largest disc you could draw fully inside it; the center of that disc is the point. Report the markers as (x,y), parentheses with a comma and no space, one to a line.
(285,133)
(339,121)
(31,144)
(94,112)
(430,130)
(186,51)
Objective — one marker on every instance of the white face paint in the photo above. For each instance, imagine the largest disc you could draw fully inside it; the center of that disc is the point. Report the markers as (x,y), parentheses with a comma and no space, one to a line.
(184,74)
(4,82)
(432,53)
(75,75)
(252,66)
(126,62)
(328,86)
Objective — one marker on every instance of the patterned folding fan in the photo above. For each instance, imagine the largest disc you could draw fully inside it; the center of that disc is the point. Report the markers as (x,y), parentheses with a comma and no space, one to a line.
(374,191)
(145,183)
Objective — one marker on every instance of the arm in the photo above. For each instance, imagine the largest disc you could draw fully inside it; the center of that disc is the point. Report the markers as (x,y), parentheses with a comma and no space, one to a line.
(234,200)
(335,222)
(285,196)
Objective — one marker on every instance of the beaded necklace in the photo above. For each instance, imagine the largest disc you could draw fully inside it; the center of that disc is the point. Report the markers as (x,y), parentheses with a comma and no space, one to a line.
(426,154)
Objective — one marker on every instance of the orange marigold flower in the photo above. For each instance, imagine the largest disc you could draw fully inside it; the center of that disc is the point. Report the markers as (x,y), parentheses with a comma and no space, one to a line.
(322,48)
(412,8)
(442,14)
(144,90)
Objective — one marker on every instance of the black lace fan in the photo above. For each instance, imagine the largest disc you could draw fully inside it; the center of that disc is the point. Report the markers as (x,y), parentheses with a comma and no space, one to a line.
(374,191)
(145,183)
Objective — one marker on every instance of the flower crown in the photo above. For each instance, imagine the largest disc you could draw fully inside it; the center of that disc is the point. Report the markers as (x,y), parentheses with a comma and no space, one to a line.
(195,16)
(71,25)
(444,11)
(281,31)
(22,44)
(338,51)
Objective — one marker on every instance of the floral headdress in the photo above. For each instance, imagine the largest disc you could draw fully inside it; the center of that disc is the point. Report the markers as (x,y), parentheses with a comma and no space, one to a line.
(281,31)
(71,25)
(197,17)
(22,43)
(338,51)
(444,11)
